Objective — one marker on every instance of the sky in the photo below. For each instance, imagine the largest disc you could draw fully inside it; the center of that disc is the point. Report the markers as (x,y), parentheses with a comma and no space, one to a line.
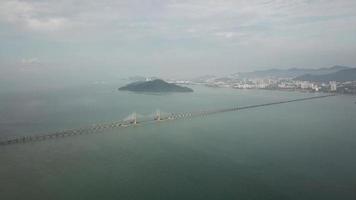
(172,38)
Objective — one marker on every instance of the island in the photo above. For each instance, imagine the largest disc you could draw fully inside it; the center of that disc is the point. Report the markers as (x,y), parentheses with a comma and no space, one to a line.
(156,85)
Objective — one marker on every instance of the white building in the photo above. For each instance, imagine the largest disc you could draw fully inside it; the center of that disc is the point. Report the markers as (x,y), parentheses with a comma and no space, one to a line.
(306,85)
(333,85)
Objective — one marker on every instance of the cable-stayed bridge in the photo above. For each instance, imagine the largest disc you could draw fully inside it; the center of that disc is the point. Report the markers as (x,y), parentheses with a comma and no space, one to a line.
(135,118)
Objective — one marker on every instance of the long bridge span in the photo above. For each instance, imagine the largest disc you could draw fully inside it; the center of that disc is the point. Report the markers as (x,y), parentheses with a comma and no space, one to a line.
(132,120)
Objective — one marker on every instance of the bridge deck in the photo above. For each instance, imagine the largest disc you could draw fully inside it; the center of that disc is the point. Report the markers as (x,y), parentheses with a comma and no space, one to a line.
(121,124)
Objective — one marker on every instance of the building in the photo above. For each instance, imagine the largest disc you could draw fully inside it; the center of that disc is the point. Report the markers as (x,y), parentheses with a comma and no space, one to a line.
(306,85)
(333,86)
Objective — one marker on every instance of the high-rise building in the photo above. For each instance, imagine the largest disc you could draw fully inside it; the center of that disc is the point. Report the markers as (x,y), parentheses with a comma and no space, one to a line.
(333,85)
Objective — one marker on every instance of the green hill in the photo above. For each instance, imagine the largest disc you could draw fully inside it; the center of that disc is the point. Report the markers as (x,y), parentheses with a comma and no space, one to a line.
(154,86)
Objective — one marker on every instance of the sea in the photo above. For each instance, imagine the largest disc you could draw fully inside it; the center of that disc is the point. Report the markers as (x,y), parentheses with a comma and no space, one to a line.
(299,150)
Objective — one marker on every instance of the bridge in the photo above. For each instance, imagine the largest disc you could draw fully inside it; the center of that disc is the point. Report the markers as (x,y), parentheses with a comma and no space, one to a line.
(133,120)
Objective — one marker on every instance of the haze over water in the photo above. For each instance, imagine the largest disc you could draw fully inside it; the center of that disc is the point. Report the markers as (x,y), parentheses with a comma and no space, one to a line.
(301,150)
(62,62)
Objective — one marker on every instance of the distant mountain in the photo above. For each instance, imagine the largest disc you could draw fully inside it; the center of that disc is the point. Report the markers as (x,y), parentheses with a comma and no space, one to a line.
(141,78)
(203,79)
(340,76)
(337,67)
(156,85)
(289,73)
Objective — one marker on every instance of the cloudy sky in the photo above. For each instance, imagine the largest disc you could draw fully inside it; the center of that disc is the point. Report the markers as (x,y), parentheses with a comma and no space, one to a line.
(175,37)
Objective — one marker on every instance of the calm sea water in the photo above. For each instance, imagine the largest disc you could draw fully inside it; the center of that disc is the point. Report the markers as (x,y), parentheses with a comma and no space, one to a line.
(301,150)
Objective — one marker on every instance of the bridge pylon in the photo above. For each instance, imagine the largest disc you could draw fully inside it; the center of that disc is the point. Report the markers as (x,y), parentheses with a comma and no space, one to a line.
(134,118)
(157,116)
(131,119)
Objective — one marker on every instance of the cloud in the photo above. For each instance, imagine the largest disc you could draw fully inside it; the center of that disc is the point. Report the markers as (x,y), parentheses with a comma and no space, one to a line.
(30,61)
(31,16)
(225,34)
(188,31)
(165,17)
(51,24)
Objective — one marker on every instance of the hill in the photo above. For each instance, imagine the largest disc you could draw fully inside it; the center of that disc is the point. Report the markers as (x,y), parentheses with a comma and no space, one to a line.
(154,86)
(289,73)
(340,76)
